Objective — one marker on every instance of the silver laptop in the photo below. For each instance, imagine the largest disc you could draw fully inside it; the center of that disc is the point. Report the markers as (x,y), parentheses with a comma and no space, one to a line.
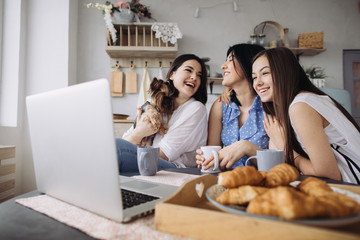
(74,152)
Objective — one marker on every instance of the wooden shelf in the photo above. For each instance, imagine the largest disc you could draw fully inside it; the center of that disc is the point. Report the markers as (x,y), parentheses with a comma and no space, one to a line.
(215,80)
(305,51)
(137,40)
(143,52)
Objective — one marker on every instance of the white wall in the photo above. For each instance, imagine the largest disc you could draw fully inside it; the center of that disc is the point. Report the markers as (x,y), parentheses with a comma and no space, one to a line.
(219,27)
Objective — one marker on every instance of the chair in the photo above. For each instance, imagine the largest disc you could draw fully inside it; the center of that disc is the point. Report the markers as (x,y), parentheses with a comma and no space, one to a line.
(342,96)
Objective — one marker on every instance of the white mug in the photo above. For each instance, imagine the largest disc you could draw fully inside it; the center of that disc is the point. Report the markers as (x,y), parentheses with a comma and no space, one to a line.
(207,152)
(148,160)
(267,158)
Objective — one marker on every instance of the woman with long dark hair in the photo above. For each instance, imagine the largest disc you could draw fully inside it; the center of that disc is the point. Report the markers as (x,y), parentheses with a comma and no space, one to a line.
(187,126)
(238,124)
(318,135)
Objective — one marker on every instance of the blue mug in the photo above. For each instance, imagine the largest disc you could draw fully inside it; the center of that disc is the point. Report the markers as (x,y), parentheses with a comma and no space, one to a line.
(148,160)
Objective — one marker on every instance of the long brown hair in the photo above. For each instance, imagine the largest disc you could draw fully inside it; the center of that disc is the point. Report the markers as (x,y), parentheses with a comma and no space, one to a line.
(289,79)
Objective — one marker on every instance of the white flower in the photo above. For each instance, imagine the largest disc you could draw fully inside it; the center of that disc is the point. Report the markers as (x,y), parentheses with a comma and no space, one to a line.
(110,26)
(107,17)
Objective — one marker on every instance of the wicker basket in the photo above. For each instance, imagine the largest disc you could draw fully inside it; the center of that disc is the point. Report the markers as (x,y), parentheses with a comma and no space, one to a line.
(311,40)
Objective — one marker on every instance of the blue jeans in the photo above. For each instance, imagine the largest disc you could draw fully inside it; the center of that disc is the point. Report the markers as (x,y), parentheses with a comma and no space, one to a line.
(127,157)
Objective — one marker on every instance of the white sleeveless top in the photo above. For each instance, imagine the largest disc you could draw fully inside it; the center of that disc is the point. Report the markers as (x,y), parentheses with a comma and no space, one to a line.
(341,134)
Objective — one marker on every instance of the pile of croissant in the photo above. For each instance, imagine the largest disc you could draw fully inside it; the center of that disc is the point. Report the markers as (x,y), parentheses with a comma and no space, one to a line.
(270,194)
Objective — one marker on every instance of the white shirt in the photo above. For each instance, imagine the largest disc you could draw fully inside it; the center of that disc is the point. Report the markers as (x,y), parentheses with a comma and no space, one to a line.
(340,132)
(187,132)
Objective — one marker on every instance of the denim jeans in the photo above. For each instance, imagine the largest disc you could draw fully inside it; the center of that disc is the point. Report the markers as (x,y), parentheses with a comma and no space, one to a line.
(127,157)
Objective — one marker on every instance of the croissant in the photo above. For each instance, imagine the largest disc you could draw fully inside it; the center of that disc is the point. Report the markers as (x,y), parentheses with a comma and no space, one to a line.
(314,186)
(281,175)
(336,204)
(240,195)
(247,175)
(285,202)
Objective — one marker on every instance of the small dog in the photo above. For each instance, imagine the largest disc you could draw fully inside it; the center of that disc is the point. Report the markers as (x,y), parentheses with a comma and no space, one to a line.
(159,110)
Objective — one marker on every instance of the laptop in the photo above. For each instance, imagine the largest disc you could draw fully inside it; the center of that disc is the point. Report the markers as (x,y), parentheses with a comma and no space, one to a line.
(75,157)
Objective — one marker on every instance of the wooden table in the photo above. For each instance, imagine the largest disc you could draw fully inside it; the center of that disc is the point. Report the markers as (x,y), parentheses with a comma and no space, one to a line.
(19,222)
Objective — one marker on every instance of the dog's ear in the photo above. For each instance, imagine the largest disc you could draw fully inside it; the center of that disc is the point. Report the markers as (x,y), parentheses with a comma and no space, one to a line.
(155,85)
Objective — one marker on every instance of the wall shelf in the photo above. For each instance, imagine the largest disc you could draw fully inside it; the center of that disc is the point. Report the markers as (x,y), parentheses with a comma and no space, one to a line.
(305,51)
(138,41)
(216,80)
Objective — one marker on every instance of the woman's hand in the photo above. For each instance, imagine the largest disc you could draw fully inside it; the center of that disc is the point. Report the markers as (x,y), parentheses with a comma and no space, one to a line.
(143,129)
(143,126)
(199,158)
(225,96)
(231,154)
(275,132)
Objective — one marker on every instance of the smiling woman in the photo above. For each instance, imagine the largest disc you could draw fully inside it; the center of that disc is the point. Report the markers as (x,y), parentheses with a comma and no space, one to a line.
(237,126)
(187,125)
(318,135)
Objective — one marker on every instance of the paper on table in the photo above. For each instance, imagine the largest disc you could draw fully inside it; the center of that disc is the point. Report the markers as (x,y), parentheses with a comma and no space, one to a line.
(171,178)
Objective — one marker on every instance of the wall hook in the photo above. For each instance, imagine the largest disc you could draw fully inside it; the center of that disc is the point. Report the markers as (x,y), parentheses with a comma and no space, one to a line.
(160,63)
(145,63)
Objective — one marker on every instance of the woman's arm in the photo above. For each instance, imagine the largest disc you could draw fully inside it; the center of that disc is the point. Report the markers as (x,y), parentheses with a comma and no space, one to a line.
(309,125)
(214,130)
(215,125)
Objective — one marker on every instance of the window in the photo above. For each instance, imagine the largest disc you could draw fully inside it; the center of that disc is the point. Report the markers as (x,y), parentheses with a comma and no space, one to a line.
(10,61)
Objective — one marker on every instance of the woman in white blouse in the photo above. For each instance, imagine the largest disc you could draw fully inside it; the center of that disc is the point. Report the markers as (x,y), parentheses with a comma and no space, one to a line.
(187,125)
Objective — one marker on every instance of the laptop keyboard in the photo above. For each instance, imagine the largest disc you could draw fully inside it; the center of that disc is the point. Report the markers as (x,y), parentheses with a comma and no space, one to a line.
(130,198)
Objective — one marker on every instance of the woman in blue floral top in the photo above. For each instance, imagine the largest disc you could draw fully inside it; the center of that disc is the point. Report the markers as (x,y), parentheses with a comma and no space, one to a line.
(237,126)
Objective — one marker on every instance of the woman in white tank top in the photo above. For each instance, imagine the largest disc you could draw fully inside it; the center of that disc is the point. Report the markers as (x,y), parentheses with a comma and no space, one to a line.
(318,135)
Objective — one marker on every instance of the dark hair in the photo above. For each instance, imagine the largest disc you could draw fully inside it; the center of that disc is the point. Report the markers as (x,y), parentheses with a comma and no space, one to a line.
(244,53)
(201,93)
(289,78)
(162,96)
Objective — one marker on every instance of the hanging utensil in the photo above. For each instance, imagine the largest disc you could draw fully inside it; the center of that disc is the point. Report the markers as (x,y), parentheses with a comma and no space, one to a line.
(117,82)
(131,80)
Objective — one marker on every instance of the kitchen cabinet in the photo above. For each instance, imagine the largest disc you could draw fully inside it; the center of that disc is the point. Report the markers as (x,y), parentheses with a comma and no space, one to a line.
(7,172)
(121,126)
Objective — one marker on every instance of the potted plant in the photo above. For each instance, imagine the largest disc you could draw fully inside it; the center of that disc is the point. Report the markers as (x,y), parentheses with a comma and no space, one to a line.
(132,8)
(316,75)
(122,11)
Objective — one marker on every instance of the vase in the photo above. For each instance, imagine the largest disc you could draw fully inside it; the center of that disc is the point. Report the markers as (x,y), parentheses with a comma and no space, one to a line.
(125,15)
(318,82)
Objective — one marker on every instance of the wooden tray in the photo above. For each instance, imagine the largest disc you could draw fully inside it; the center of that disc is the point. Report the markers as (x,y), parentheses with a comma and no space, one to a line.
(187,214)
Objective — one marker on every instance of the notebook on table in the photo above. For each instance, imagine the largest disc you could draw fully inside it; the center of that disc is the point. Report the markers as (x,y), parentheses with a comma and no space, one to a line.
(74,153)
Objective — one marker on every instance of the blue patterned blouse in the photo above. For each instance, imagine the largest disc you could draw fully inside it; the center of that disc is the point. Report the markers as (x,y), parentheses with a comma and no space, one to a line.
(252,130)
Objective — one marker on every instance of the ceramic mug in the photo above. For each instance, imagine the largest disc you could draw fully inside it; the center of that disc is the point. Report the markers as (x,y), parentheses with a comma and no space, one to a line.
(148,160)
(267,158)
(208,151)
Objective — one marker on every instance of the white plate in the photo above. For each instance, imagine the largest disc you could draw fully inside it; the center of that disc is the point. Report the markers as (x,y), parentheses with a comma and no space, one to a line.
(216,190)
